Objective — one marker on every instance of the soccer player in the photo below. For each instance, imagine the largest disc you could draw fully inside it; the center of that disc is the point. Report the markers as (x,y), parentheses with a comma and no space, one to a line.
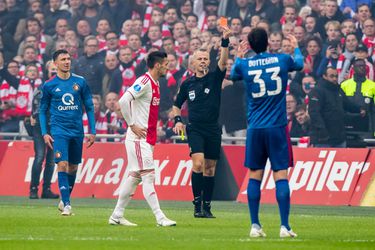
(64,96)
(139,106)
(265,76)
(202,93)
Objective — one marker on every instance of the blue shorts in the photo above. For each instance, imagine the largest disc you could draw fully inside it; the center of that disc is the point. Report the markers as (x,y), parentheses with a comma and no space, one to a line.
(68,149)
(272,143)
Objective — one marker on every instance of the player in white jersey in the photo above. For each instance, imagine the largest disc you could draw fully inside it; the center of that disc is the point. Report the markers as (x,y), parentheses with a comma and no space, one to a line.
(140,106)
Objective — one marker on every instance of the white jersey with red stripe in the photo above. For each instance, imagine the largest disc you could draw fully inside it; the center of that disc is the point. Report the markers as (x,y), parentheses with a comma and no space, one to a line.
(144,107)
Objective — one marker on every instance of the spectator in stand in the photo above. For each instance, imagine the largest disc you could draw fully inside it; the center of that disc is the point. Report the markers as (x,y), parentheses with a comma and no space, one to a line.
(115,123)
(168,45)
(360,90)
(194,45)
(347,27)
(61,28)
(244,33)
(179,30)
(290,16)
(83,29)
(126,31)
(25,87)
(191,22)
(101,124)
(137,26)
(265,10)
(331,13)
(90,65)
(313,57)
(183,48)
(236,26)
(157,17)
(331,57)
(170,15)
(299,32)
(274,42)
(185,9)
(301,88)
(203,9)
(120,11)
(286,46)
(212,24)
(45,42)
(362,15)
(42,151)
(111,64)
(264,24)
(9,120)
(310,25)
(315,8)
(349,7)
(92,12)
(112,43)
(124,76)
(102,28)
(344,61)
(302,126)
(368,37)
(291,104)
(327,103)
(154,37)
(240,9)
(53,12)
(12,14)
(287,29)
(232,108)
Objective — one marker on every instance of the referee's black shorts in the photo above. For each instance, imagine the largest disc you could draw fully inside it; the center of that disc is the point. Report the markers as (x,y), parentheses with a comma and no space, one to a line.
(204,138)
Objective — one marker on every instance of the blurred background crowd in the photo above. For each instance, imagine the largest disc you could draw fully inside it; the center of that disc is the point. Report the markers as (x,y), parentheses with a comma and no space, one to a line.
(330,100)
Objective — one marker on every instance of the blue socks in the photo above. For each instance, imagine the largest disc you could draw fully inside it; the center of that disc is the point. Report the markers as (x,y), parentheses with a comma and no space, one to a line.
(72,180)
(253,199)
(283,199)
(64,187)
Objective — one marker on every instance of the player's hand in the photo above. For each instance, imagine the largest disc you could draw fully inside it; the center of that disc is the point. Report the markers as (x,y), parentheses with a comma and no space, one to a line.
(48,140)
(91,140)
(179,128)
(242,49)
(362,113)
(138,131)
(32,121)
(293,41)
(226,32)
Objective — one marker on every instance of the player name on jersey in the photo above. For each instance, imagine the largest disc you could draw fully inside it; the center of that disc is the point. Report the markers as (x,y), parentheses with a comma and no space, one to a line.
(263,61)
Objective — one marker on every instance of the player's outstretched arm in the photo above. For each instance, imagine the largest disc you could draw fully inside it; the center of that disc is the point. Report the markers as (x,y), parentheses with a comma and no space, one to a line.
(298,57)
(44,106)
(224,48)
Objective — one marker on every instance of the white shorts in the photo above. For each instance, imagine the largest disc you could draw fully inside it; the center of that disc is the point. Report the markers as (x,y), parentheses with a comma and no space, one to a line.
(140,155)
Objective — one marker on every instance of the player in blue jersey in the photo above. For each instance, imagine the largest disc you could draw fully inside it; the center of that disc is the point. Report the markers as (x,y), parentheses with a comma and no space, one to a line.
(265,76)
(64,96)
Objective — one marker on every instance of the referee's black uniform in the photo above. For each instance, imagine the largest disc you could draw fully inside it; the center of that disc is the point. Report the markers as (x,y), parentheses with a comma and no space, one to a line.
(203,96)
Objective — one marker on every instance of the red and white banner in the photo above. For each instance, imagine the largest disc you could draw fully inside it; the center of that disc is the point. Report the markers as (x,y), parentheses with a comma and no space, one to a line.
(102,171)
(319,177)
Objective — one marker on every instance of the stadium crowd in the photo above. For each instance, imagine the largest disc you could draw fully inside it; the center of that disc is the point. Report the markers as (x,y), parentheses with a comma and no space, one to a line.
(109,40)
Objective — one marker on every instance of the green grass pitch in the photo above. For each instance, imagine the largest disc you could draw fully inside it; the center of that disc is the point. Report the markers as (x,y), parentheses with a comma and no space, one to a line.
(36,224)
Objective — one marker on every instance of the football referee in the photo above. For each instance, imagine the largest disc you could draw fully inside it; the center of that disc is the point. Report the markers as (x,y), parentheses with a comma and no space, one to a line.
(202,92)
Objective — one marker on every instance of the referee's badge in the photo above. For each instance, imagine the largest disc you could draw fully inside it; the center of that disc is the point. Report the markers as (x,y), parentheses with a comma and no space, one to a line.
(192,95)
(206,90)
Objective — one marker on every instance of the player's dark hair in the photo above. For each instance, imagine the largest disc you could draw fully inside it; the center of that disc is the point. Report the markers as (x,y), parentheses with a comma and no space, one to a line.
(59,52)
(155,57)
(258,40)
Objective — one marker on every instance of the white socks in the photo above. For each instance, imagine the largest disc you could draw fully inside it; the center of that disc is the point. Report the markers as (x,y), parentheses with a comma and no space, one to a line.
(150,195)
(125,195)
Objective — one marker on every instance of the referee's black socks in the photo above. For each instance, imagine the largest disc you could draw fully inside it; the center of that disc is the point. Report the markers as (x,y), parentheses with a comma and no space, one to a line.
(208,188)
(197,186)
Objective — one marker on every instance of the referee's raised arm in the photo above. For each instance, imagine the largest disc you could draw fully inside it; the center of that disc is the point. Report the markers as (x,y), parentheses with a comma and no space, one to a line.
(224,48)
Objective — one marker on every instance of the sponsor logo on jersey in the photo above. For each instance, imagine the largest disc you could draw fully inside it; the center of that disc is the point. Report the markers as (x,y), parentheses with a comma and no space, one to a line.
(137,87)
(21,101)
(57,90)
(155,101)
(75,87)
(68,101)
(192,95)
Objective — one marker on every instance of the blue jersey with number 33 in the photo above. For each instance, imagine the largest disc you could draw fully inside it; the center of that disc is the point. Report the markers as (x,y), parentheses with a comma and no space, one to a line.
(266,77)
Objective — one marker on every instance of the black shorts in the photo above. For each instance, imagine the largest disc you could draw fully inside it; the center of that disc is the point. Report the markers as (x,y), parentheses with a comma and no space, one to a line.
(204,139)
